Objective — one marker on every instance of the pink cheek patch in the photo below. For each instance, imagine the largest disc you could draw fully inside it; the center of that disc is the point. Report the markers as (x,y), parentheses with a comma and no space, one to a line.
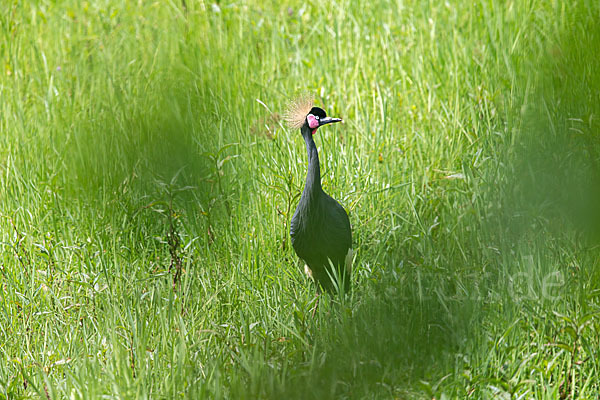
(312,122)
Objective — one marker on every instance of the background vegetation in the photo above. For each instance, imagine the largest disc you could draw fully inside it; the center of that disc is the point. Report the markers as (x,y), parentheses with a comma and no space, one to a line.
(147,185)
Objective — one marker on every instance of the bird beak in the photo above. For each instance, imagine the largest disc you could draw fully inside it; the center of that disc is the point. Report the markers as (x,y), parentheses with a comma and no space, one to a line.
(328,120)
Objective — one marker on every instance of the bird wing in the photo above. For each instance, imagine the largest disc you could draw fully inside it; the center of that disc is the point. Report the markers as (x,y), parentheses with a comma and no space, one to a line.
(336,230)
(322,236)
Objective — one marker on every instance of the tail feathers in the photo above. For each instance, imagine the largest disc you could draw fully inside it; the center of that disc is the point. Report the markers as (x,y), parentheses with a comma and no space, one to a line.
(340,277)
(332,277)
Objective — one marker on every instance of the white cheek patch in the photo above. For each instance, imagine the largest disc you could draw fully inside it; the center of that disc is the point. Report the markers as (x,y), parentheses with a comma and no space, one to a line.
(313,123)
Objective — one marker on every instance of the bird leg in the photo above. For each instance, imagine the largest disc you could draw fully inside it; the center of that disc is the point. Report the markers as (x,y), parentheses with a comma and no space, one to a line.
(309,274)
(314,310)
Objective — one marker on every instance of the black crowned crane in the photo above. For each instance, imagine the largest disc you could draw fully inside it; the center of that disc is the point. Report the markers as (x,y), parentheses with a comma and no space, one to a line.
(320,229)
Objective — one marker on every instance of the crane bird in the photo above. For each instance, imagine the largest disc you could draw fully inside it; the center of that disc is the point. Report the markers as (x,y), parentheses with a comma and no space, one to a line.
(320,228)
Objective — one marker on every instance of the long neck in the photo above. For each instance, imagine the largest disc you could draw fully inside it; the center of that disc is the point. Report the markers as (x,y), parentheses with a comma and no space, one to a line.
(313,176)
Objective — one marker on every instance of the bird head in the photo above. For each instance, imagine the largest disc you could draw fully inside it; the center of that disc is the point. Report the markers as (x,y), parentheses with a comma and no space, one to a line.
(317,117)
(301,112)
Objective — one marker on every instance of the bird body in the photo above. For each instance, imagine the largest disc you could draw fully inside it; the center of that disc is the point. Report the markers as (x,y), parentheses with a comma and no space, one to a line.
(320,228)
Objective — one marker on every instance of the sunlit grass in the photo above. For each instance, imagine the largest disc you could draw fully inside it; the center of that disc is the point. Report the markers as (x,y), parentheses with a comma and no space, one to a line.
(147,185)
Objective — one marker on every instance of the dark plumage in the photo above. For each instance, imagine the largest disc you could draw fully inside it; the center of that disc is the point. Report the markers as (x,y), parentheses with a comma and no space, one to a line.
(320,228)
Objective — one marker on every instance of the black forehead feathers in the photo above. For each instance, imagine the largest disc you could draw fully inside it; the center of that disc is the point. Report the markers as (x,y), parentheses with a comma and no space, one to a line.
(318,112)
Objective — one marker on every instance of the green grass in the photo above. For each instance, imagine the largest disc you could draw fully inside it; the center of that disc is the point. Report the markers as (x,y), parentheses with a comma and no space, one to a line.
(139,139)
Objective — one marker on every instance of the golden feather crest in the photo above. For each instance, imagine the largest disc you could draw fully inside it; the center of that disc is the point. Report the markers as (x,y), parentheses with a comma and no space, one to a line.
(297,110)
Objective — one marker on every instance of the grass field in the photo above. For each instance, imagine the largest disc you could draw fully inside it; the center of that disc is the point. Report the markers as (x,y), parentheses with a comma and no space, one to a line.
(147,183)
